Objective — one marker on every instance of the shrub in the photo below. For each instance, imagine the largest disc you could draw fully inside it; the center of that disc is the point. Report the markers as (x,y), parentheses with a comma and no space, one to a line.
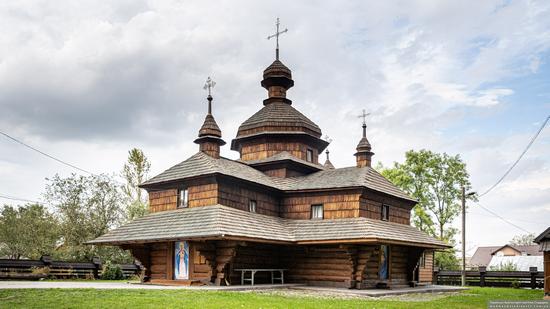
(508,266)
(111,272)
(515,284)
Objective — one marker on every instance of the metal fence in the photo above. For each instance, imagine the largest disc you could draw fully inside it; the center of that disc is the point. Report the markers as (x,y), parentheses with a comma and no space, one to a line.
(533,278)
(46,267)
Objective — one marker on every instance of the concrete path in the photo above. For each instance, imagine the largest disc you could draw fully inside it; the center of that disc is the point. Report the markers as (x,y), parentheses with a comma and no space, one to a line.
(259,287)
(129,285)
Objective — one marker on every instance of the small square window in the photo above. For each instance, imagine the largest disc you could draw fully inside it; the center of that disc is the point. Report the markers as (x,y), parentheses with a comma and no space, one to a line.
(317,212)
(252,205)
(309,155)
(385,212)
(183,198)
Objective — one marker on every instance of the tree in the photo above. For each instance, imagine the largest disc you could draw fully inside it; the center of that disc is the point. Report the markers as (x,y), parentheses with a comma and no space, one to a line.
(87,207)
(523,240)
(27,231)
(436,181)
(135,171)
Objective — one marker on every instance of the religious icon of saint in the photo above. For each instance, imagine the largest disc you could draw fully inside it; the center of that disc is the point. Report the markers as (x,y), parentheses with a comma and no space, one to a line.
(181,263)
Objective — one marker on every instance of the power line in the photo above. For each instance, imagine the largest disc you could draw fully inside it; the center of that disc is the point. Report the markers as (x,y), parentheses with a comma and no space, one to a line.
(13,198)
(503,219)
(517,220)
(45,154)
(518,159)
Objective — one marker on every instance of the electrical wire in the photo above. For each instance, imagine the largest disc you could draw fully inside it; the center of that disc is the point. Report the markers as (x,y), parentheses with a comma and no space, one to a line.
(518,159)
(45,154)
(13,198)
(503,219)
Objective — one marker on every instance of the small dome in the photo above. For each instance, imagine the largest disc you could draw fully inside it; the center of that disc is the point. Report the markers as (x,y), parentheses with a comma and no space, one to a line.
(277,74)
(277,68)
(210,127)
(363,145)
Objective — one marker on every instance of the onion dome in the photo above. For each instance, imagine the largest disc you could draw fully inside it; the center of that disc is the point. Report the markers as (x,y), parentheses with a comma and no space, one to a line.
(278,117)
(210,127)
(364,153)
(210,135)
(277,80)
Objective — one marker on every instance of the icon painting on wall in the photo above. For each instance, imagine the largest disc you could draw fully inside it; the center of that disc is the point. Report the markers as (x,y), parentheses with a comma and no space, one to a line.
(181,261)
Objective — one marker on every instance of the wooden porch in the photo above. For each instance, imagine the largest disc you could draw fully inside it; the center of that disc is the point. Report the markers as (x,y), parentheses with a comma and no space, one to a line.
(215,263)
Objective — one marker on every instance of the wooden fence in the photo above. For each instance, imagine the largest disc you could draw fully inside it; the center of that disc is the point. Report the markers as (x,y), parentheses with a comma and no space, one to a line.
(533,278)
(46,267)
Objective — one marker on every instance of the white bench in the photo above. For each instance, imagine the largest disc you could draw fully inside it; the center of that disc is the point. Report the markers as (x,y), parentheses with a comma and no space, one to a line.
(253,272)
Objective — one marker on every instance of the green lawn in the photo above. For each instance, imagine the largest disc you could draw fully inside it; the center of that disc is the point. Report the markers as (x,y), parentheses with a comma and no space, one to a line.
(90,298)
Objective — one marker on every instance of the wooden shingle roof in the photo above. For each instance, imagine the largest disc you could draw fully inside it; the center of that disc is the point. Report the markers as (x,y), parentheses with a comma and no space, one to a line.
(279,115)
(218,222)
(202,164)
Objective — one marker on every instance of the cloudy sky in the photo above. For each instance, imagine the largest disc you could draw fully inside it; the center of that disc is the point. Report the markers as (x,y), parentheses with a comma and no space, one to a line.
(87,80)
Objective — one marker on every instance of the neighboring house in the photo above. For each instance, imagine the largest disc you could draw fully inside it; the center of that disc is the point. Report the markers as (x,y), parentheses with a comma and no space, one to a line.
(493,256)
(544,246)
(276,207)
(521,262)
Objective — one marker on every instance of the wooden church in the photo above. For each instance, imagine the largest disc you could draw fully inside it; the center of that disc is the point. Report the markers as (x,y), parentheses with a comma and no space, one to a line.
(276,214)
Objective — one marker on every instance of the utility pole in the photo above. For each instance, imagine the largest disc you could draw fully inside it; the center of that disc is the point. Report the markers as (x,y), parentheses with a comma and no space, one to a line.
(464,195)
(463,274)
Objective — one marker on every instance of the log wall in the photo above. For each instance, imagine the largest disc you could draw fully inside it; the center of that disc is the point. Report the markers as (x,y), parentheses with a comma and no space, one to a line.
(161,261)
(318,265)
(341,204)
(163,200)
(237,196)
(371,207)
(425,273)
(265,148)
(350,266)
(203,194)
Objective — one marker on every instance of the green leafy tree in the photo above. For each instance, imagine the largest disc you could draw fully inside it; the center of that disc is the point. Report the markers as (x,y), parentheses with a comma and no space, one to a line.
(27,231)
(436,181)
(523,240)
(135,171)
(87,207)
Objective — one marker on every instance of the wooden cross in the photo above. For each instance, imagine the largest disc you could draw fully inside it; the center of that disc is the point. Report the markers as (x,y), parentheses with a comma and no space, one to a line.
(209,85)
(364,115)
(276,36)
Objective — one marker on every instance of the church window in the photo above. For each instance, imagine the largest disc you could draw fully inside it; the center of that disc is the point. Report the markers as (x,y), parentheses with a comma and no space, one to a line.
(317,211)
(183,198)
(385,212)
(252,205)
(309,155)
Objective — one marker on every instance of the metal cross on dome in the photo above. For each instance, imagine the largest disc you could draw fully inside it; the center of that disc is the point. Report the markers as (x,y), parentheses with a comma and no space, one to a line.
(364,115)
(276,36)
(209,85)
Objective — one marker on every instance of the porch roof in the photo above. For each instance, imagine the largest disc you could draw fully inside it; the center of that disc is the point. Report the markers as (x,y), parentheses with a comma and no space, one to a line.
(222,222)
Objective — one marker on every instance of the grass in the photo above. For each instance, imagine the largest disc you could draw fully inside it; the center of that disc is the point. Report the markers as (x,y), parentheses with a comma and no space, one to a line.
(91,298)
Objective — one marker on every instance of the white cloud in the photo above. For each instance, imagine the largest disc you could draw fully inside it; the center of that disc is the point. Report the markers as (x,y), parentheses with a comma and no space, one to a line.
(87,80)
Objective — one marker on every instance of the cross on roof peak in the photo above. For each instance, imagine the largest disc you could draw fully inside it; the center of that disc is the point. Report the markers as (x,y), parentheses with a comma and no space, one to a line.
(276,36)
(209,85)
(364,115)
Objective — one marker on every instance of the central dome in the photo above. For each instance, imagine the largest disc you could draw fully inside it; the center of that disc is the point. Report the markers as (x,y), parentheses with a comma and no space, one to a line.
(278,126)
